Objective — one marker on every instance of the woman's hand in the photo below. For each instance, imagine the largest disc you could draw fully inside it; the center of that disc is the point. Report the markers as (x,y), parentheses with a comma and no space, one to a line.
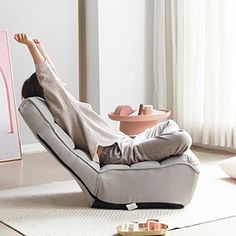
(23,38)
(32,46)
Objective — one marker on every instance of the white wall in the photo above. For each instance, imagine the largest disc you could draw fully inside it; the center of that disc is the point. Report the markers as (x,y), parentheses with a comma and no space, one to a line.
(124,53)
(119,45)
(55,23)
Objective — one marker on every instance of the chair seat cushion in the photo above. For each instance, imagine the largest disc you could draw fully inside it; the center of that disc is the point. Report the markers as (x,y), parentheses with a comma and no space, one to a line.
(171,181)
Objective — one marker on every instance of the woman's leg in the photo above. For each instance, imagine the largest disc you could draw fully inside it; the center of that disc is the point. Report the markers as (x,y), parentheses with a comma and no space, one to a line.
(164,127)
(161,147)
(156,144)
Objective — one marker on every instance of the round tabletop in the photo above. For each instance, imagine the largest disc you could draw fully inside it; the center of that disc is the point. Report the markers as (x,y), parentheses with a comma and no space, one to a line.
(134,124)
(156,115)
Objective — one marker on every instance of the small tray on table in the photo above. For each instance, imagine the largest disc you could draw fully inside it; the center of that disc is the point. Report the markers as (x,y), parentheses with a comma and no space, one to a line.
(143,230)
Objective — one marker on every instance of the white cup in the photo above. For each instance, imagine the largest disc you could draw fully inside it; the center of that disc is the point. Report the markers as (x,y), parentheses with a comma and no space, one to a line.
(130,227)
(147,109)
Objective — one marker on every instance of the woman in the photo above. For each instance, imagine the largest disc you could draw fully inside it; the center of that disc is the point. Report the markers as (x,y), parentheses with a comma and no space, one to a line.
(87,129)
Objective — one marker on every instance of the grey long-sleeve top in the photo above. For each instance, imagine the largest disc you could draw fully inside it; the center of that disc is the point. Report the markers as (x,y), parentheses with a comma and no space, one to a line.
(84,126)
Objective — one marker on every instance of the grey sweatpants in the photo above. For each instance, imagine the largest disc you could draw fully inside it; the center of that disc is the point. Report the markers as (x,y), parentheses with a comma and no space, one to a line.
(155,144)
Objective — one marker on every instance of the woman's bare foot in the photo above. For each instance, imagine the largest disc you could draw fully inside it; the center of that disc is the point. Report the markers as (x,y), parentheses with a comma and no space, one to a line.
(100,150)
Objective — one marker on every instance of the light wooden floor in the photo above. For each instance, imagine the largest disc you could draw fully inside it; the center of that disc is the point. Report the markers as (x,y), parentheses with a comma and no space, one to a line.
(39,168)
(35,168)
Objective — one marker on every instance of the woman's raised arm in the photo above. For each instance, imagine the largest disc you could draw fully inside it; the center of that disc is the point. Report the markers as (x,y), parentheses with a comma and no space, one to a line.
(34,51)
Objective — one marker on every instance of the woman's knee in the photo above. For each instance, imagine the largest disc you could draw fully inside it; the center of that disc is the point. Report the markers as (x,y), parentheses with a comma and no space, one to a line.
(169,127)
(171,123)
(184,138)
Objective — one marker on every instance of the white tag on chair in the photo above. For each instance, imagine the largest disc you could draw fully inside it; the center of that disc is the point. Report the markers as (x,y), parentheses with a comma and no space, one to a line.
(131,206)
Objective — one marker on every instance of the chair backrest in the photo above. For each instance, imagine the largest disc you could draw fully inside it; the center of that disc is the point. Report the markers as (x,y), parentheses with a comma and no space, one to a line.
(41,122)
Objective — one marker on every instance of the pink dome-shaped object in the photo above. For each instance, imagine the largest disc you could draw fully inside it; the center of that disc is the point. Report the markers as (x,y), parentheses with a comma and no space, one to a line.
(123,110)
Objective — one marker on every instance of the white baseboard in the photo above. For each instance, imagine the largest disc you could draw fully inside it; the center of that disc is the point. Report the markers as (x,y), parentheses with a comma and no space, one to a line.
(215,148)
(33,147)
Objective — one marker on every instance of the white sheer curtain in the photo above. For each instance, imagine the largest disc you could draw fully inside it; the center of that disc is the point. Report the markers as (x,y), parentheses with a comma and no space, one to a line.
(195,67)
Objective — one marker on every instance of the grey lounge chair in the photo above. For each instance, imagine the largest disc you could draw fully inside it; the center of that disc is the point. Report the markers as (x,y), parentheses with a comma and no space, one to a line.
(167,184)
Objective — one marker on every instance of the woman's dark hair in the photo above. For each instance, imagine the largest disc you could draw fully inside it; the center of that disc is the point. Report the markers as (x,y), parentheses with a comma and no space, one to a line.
(32,88)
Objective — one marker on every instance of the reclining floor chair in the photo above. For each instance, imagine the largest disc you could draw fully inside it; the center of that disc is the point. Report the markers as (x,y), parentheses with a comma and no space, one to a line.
(167,184)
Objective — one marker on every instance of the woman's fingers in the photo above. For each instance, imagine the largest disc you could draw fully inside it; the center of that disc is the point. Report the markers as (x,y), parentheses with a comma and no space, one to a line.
(25,36)
(17,37)
(21,37)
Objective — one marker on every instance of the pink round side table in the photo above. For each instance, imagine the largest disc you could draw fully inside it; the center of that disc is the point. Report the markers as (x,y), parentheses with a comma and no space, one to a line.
(135,124)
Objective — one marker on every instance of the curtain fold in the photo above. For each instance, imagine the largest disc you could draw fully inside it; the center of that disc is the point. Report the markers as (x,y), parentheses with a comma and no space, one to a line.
(159,57)
(195,67)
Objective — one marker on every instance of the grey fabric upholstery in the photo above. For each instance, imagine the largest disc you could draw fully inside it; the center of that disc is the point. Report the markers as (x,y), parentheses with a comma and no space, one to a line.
(167,184)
